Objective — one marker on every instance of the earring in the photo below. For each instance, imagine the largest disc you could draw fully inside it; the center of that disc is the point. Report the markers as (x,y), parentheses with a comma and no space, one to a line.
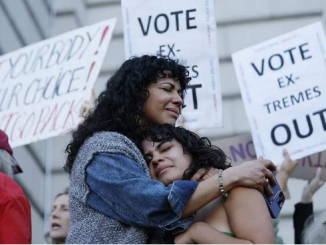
(140,122)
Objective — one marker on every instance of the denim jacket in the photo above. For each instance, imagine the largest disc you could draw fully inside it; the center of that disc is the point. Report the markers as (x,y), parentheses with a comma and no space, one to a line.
(120,199)
(121,190)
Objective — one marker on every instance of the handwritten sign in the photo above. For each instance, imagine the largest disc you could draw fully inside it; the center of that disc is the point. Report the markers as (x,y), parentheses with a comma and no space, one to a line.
(42,86)
(184,30)
(283,87)
(241,148)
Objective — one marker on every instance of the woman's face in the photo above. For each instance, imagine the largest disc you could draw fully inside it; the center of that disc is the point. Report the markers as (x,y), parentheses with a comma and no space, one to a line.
(60,218)
(164,102)
(166,160)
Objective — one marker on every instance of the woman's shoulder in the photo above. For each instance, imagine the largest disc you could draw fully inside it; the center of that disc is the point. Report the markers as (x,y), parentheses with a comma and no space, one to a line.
(112,139)
(114,143)
(109,135)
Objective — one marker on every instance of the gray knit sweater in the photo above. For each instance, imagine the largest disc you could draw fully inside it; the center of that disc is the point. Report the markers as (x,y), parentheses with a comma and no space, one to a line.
(89,226)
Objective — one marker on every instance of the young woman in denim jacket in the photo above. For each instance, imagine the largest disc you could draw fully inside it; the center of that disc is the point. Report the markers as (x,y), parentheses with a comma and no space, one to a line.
(174,153)
(112,197)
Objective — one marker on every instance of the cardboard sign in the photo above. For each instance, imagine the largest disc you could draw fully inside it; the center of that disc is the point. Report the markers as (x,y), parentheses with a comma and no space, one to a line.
(184,30)
(241,148)
(283,87)
(42,86)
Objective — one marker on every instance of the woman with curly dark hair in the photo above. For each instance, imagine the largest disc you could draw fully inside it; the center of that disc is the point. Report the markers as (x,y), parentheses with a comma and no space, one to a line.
(112,197)
(174,153)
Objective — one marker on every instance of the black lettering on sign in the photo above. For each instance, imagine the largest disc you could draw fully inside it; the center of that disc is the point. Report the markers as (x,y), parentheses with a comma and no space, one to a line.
(322,117)
(277,61)
(145,32)
(286,129)
(162,22)
(193,72)
(188,18)
(166,23)
(193,88)
(290,80)
(176,13)
(167,50)
(292,100)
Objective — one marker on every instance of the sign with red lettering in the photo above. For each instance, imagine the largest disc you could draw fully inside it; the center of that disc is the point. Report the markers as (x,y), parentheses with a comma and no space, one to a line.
(42,86)
(283,87)
(184,30)
(241,148)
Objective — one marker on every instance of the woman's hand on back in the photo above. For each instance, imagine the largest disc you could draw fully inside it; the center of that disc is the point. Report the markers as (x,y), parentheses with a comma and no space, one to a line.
(252,174)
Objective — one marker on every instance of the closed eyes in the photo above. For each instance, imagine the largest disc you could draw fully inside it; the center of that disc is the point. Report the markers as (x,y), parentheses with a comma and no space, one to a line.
(148,158)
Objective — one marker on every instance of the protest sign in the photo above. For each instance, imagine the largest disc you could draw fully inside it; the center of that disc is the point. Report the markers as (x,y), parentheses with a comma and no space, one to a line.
(184,30)
(283,87)
(43,86)
(241,148)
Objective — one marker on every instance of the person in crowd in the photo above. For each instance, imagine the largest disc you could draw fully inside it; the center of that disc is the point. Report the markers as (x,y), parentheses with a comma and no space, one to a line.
(174,153)
(15,209)
(315,233)
(303,212)
(112,197)
(60,218)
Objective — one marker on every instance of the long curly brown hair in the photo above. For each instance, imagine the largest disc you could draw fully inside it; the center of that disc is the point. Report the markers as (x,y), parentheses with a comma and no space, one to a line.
(120,105)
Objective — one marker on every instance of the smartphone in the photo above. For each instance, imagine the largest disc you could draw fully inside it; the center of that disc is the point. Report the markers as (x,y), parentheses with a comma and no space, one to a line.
(275,202)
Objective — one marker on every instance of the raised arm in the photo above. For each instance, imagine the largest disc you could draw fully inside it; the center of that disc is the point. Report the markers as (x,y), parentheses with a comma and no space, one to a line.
(285,169)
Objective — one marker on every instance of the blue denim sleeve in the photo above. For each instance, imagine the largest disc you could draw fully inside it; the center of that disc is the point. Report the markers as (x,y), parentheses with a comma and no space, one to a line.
(121,190)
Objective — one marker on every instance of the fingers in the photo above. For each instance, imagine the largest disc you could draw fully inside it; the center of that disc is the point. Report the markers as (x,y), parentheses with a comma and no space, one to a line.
(286,154)
(268,164)
(210,173)
(313,185)
(84,109)
(205,177)
(317,178)
(269,175)
(291,164)
(287,158)
(267,188)
(261,189)
(317,174)
(199,174)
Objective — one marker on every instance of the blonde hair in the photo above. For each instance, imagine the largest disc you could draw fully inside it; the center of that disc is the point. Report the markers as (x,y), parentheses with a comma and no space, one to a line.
(315,233)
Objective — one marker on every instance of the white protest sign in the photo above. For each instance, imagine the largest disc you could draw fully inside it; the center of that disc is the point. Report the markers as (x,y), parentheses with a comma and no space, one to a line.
(183,30)
(240,149)
(42,86)
(283,87)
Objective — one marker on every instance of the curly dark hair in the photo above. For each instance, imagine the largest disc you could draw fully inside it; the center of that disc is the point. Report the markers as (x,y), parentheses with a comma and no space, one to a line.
(204,155)
(119,107)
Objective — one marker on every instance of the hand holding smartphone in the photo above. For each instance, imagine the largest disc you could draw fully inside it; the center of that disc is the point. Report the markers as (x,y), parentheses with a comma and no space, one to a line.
(275,202)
